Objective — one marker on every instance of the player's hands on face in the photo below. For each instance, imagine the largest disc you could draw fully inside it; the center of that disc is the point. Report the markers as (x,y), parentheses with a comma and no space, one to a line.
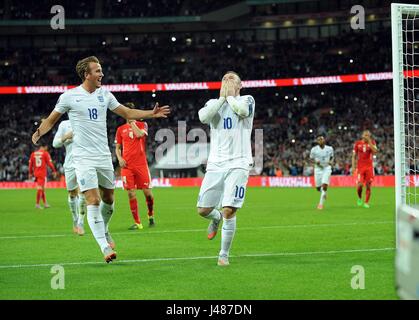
(161,112)
(231,88)
(131,121)
(122,163)
(223,90)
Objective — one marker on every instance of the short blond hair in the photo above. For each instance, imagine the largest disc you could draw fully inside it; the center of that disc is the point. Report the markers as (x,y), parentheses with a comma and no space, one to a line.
(83,66)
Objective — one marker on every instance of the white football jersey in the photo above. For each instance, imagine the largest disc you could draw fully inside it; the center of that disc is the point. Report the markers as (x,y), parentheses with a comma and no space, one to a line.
(87,113)
(64,128)
(323,155)
(230,145)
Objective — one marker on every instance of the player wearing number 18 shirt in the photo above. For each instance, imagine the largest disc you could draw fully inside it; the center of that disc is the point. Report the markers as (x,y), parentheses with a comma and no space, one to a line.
(87,106)
(38,163)
(230,118)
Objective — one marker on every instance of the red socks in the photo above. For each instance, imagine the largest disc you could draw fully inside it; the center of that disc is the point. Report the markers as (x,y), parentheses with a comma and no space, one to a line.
(367,195)
(43,197)
(150,203)
(38,195)
(134,210)
(359,190)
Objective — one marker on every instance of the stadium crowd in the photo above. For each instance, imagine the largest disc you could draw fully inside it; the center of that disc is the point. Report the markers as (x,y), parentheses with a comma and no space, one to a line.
(24,10)
(339,112)
(197,58)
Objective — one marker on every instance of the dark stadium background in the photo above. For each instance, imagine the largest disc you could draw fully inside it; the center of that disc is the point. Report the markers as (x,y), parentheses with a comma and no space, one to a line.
(257,39)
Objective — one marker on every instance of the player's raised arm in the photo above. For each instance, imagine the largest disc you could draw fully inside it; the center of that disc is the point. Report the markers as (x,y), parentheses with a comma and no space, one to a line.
(46,125)
(137,131)
(243,108)
(157,112)
(207,113)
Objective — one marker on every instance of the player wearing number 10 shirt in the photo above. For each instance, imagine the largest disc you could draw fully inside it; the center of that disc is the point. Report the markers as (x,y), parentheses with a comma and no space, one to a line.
(87,106)
(230,159)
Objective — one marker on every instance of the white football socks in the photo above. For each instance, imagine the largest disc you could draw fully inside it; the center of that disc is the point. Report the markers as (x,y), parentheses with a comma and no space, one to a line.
(72,203)
(106,210)
(82,209)
(227,235)
(214,215)
(322,196)
(96,224)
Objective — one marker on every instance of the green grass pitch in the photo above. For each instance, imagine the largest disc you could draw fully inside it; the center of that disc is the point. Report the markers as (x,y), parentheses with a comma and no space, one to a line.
(283,249)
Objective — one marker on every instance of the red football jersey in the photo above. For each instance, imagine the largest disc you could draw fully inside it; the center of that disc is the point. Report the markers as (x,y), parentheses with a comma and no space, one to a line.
(38,163)
(364,153)
(133,149)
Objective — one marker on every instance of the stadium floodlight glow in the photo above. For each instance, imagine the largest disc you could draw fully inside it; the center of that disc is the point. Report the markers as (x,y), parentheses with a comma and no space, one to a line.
(340,127)
(311,130)
(173,39)
(286,97)
(126,38)
(322,93)
(262,57)
(405,34)
(293,140)
(6,63)
(351,61)
(103,43)
(340,52)
(229,46)
(295,98)
(332,112)
(182,60)
(213,40)
(153,95)
(345,128)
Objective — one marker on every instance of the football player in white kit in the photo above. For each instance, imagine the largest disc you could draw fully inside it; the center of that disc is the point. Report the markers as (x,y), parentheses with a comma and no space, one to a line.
(87,107)
(76,200)
(230,159)
(322,158)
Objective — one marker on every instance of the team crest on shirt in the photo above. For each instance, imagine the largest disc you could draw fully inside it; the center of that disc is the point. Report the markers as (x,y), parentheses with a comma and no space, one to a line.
(100,98)
(82,182)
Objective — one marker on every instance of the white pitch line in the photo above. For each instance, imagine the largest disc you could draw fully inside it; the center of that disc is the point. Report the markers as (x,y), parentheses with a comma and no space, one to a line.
(251,255)
(203,230)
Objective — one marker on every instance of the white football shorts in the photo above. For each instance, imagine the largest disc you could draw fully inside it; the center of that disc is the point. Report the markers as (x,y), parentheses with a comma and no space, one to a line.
(91,177)
(223,188)
(322,176)
(70,179)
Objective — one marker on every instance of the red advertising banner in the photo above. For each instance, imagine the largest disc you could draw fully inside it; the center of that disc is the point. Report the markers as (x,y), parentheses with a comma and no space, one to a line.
(257,181)
(188,86)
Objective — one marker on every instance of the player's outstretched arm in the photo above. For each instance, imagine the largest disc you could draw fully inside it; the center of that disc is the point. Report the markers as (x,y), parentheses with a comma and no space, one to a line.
(46,125)
(157,112)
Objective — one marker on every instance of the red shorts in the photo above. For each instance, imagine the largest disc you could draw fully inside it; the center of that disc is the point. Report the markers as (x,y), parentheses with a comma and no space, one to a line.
(136,178)
(41,181)
(365,175)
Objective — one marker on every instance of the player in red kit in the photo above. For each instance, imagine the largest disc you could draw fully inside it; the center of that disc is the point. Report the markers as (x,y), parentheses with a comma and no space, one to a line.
(38,163)
(362,165)
(134,168)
